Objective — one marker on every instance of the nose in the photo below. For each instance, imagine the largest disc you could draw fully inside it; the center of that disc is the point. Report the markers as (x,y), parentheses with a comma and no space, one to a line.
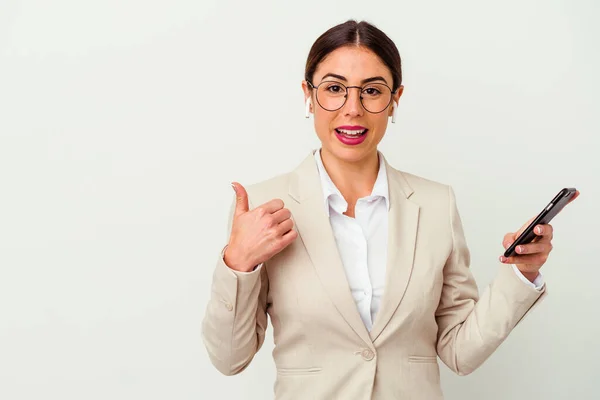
(353,106)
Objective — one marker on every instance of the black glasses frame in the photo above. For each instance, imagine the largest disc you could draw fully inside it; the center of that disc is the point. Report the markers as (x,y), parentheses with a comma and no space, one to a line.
(316,88)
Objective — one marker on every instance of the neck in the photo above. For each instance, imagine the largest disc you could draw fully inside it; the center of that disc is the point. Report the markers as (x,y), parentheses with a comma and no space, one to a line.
(354,179)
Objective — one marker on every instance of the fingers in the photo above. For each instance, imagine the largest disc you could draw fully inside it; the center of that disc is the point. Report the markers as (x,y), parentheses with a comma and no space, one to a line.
(259,234)
(281,215)
(272,206)
(284,227)
(536,259)
(278,218)
(534,248)
(544,232)
(289,237)
(574,196)
(286,235)
(241,199)
(534,253)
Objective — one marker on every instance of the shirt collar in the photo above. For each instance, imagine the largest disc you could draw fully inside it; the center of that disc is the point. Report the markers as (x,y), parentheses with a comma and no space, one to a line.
(332,196)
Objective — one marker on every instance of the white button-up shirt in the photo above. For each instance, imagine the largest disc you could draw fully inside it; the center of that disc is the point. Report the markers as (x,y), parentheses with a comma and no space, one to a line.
(362,241)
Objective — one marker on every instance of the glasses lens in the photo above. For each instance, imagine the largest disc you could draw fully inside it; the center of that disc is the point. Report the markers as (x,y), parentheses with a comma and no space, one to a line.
(376,97)
(331,95)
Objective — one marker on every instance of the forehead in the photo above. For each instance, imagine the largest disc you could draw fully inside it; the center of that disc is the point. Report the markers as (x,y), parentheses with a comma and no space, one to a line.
(355,63)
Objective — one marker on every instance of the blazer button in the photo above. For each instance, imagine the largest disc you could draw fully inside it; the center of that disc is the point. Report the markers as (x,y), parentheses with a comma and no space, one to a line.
(229,307)
(367,354)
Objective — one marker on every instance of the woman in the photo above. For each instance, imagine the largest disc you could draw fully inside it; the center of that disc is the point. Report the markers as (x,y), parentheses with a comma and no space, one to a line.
(363,269)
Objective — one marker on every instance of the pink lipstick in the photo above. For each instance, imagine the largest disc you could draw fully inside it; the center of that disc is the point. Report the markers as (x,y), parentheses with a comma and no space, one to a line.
(351,135)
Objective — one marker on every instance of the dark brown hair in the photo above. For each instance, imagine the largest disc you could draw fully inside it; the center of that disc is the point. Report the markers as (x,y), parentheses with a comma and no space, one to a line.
(360,34)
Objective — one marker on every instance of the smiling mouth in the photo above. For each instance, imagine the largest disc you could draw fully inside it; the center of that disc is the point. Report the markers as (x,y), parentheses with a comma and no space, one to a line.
(351,133)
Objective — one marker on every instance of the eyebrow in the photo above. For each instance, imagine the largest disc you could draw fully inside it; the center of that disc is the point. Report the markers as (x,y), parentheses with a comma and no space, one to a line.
(340,77)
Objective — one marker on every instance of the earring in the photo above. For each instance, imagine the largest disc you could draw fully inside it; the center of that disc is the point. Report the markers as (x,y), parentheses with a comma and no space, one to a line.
(307,110)
(394,112)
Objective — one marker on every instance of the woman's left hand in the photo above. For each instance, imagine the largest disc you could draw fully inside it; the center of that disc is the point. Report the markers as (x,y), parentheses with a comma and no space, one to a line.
(531,257)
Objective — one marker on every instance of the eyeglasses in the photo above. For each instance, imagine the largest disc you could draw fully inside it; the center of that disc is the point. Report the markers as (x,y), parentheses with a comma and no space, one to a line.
(332,95)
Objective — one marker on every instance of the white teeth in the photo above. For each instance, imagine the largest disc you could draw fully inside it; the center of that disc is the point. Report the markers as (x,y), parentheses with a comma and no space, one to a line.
(352,132)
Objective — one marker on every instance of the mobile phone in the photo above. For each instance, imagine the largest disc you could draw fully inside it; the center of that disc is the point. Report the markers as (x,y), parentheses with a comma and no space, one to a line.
(553,208)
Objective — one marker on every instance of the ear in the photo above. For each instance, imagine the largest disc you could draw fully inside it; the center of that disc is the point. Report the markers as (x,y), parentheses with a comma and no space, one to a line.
(307,91)
(396,98)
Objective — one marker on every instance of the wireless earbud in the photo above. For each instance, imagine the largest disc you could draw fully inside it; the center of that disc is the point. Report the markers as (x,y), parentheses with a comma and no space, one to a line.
(307,111)
(394,112)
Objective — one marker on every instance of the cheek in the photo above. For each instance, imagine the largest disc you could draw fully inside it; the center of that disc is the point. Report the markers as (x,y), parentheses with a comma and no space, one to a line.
(324,122)
(380,123)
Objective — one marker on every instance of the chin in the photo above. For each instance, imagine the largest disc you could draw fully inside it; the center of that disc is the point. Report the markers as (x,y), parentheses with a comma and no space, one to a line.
(350,153)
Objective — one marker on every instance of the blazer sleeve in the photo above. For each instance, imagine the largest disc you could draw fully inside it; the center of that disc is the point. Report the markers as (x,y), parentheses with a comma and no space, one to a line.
(234,325)
(470,328)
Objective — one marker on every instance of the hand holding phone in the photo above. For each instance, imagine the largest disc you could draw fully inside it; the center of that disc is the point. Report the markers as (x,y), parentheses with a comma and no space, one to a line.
(563,197)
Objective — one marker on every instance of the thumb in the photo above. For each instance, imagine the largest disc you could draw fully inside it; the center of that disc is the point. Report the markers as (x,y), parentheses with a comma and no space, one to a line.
(241,199)
(509,238)
(523,228)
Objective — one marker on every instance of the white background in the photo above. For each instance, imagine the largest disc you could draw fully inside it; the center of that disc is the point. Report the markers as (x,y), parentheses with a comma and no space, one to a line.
(123,122)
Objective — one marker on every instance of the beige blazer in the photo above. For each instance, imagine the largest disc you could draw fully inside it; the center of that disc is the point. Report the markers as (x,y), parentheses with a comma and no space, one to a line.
(430,307)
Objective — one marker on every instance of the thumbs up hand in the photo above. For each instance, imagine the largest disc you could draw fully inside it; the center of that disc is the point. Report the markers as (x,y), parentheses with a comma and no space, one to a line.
(258,234)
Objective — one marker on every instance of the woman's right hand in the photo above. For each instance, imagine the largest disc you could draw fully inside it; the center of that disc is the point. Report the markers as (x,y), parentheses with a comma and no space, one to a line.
(258,234)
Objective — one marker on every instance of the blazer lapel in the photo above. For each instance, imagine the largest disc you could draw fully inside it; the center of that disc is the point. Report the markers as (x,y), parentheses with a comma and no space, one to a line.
(314,229)
(403,221)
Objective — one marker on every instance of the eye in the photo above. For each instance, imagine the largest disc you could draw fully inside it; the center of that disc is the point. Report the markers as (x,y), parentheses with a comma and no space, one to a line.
(372,91)
(335,89)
